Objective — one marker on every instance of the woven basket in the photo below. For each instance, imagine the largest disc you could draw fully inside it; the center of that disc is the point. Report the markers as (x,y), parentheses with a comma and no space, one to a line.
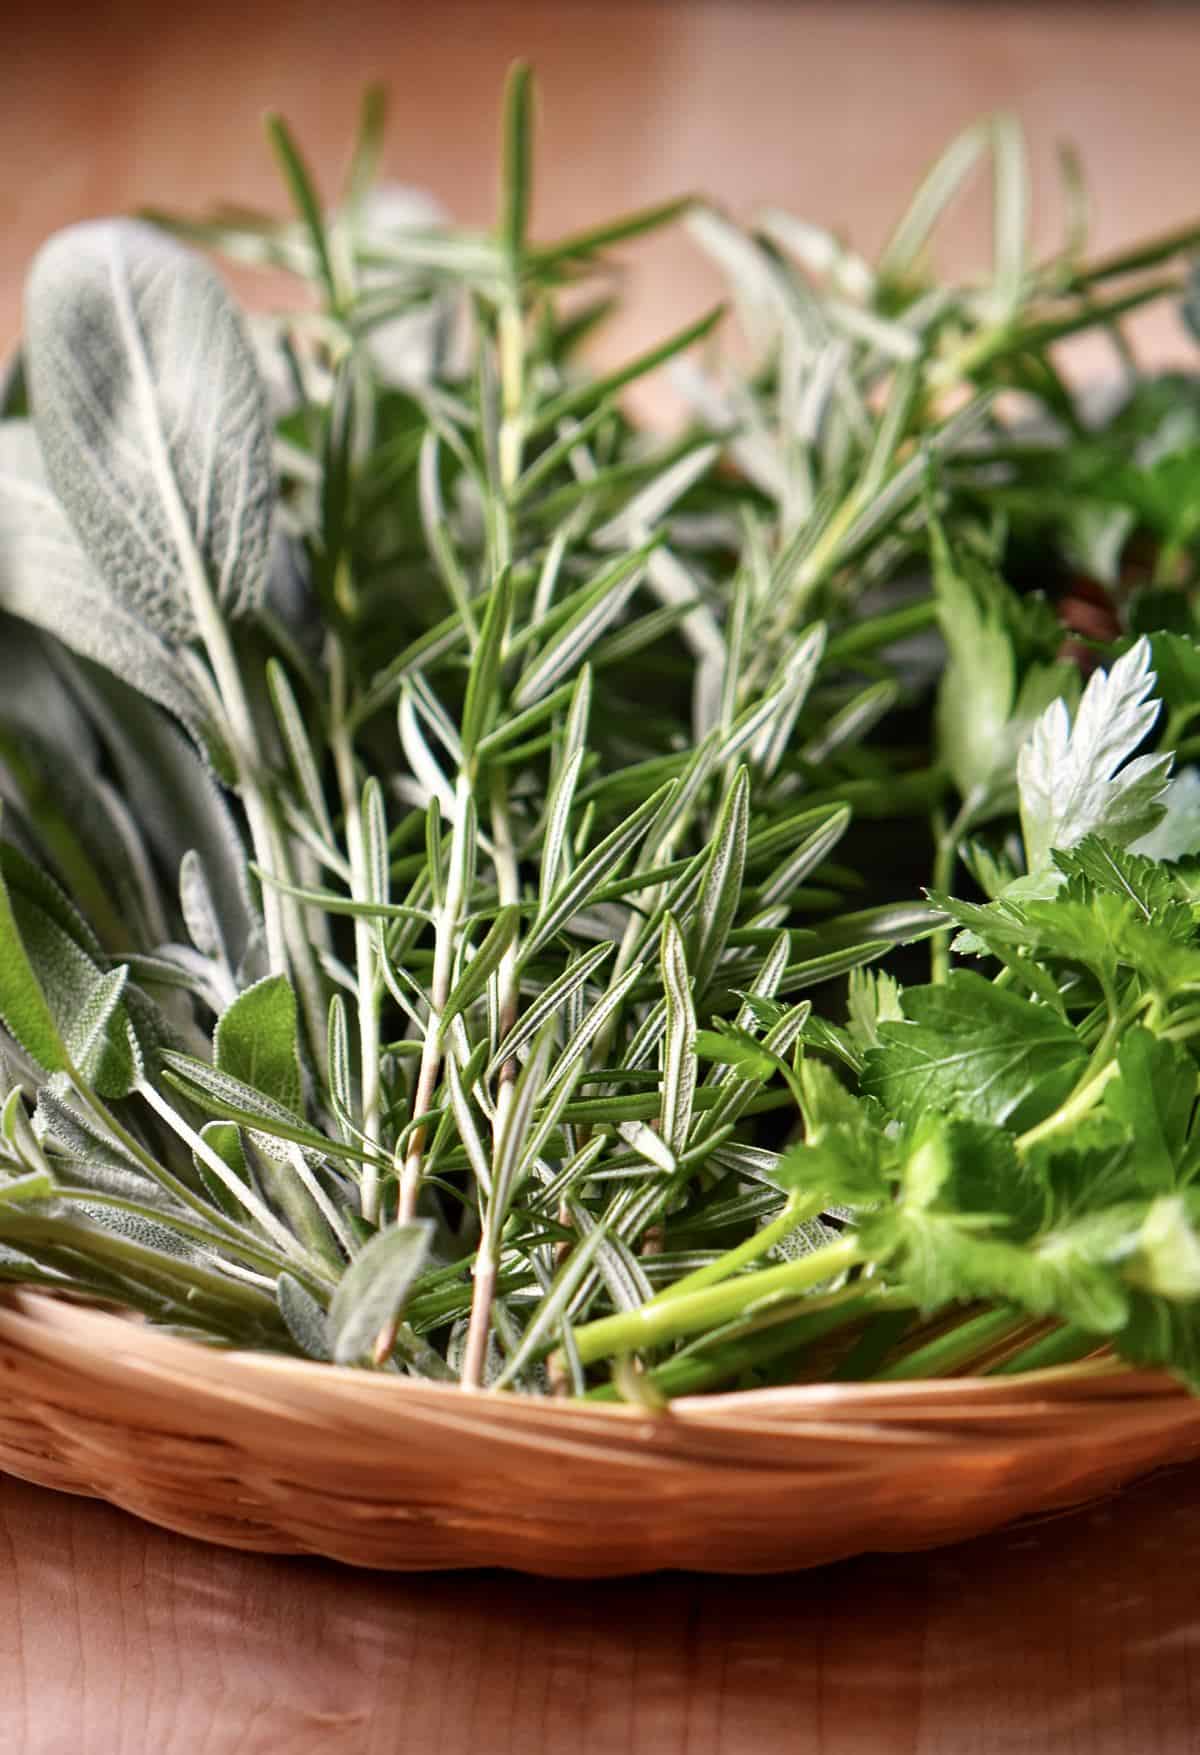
(285,1457)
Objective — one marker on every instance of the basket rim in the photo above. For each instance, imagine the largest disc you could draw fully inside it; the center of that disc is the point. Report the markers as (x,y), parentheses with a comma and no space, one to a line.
(114,1343)
(285,1455)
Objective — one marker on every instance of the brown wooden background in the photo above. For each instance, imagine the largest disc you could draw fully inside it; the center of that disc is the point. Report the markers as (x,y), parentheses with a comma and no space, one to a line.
(1078,1636)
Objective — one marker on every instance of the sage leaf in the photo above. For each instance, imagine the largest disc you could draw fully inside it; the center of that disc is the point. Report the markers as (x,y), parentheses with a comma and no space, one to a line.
(304,1317)
(150,413)
(54,999)
(178,805)
(47,580)
(257,1041)
(372,1291)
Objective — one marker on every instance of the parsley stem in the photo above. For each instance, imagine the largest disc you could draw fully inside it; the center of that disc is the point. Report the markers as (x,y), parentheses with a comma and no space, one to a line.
(654,1324)
(1083,1099)
(1062,1346)
(949,1352)
(779,1333)
(947,841)
(795,1213)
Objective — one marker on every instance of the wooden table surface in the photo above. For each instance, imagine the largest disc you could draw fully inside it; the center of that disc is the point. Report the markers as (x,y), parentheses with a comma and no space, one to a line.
(1077,1636)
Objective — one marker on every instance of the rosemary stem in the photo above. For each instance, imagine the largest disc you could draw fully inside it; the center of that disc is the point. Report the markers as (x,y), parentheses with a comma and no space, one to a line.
(508,883)
(283,920)
(238,727)
(483,1291)
(512,381)
(366,975)
(445,934)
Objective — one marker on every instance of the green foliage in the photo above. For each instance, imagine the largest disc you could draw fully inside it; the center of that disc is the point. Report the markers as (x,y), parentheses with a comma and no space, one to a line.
(970,1047)
(447,827)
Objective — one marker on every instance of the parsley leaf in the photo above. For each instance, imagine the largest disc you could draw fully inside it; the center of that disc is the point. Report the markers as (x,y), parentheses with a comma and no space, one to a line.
(981,1050)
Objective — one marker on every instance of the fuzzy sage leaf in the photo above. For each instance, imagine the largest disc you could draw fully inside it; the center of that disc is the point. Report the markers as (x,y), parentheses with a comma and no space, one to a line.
(150,414)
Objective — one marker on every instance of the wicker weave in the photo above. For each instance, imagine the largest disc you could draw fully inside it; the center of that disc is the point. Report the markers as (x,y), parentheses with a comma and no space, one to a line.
(285,1457)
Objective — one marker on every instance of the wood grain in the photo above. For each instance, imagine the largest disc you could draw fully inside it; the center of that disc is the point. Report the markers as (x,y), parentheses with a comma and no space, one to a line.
(1079,1636)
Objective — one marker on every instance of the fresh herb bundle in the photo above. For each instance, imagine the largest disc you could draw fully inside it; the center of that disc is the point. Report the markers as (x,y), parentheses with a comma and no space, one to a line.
(448,831)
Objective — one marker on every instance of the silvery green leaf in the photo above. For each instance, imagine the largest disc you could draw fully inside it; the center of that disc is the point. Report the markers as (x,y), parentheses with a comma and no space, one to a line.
(19,1134)
(756,286)
(721,889)
(467,1131)
(92,1028)
(304,1317)
(58,1122)
(177,803)
(674,586)
(79,827)
(375,844)
(229,1099)
(140,1228)
(581,1038)
(679,1054)
(807,856)
(567,649)
(479,706)
(650,504)
(1010,170)
(766,726)
(179,968)
(429,782)
(593,869)
(54,999)
(372,1291)
(476,974)
(558,813)
(1082,778)
(556,997)
(510,1160)
(34,1185)
(199,910)
(553,1307)
(46,580)
(618,1266)
(299,747)
(35,698)
(150,412)
(649,1145)
(940,185)
(338,1058)
(1178,834)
